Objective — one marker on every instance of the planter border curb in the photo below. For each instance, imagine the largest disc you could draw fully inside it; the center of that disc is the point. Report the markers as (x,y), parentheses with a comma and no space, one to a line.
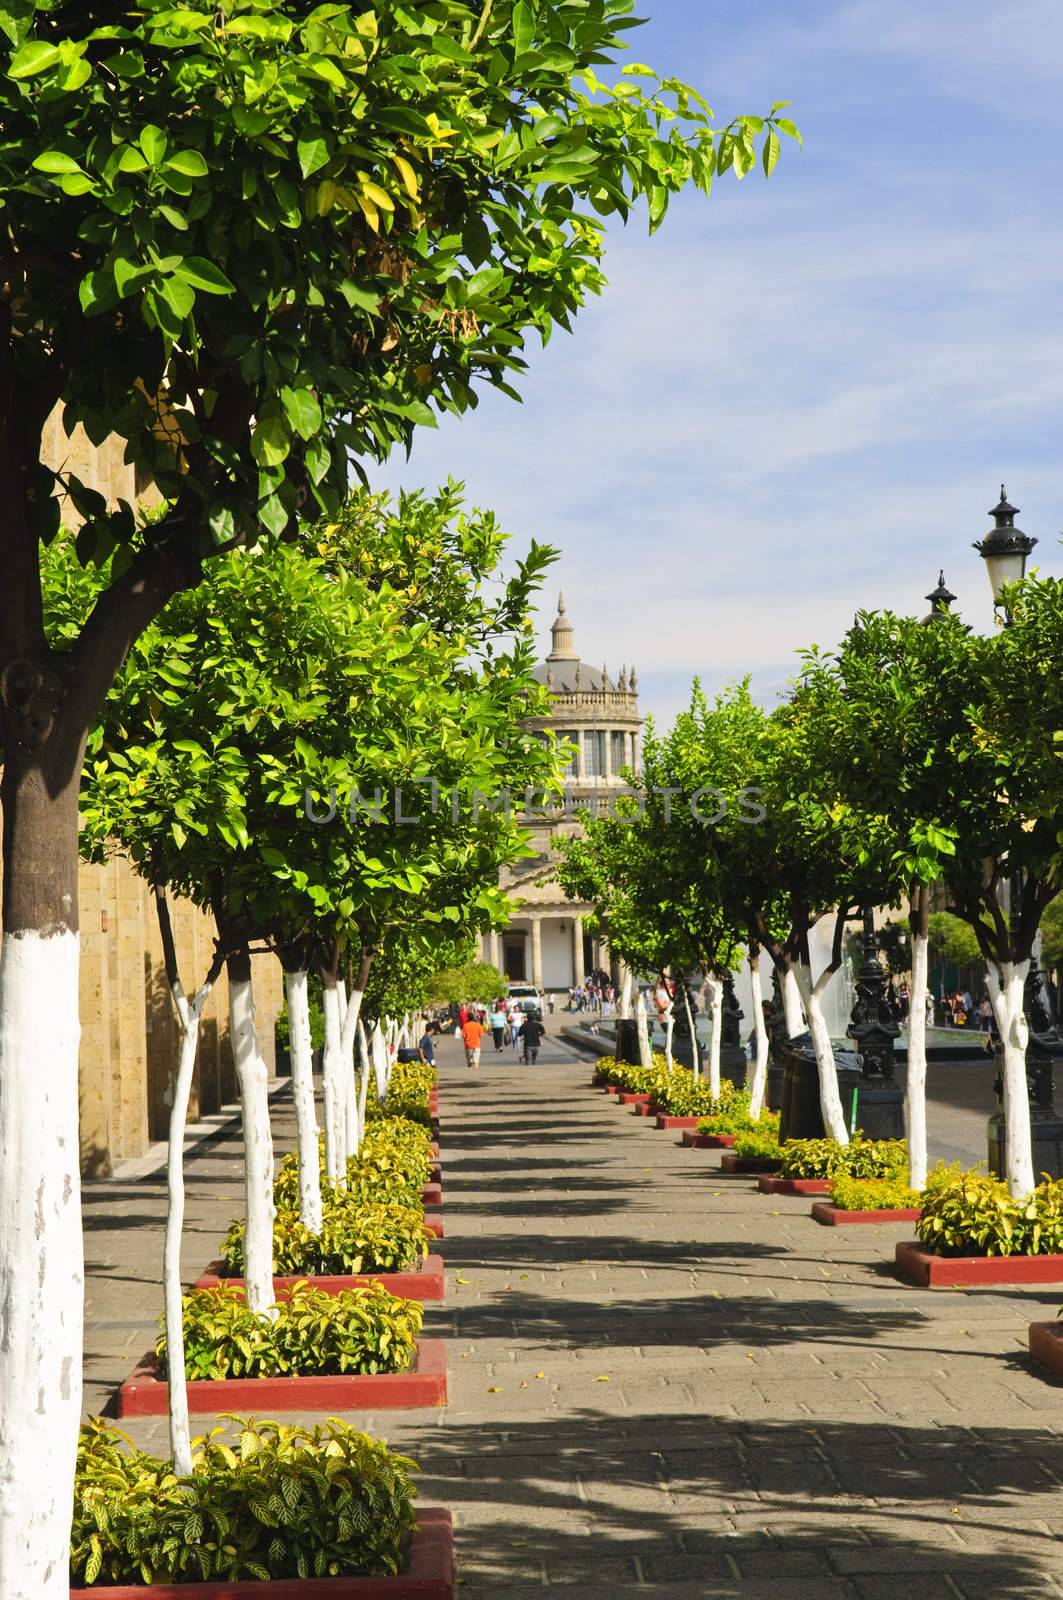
(144,1394)
(752,1166)
(929,1271)
(832,1216)
(779,1185)
(426,1284)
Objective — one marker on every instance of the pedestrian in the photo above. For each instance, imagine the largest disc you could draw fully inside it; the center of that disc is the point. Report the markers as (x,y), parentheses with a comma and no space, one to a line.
(550,1002)
(472,1034)
(534,1032)
(929,1009)
(426,1047)
(662,998)
(497,1021)
(985,1015)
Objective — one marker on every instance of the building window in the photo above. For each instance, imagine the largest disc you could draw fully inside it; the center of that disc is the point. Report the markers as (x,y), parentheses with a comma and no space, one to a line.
(594,753)
(618,742)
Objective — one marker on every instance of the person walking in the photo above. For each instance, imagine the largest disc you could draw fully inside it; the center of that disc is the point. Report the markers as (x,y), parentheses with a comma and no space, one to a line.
(985,1015)
(534,1033)
(472,1035)
(516,1028)
(497,1020)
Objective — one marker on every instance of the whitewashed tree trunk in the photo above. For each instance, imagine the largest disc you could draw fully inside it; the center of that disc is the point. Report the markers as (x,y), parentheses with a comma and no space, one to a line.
(302,1054)
(830,1100)
(758,1080)
(258,1147)
(669,1029)
(1006,983)
(332,1086)
(643,1032)
(41,1261)
(695,1053)
(348,1037)
(915,1087)
(378,1051)
(791,1004)
(715,988)
(363,1082)
(625,996)
(189,1016)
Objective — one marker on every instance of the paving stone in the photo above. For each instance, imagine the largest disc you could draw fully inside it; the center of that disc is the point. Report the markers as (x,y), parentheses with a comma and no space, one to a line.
(783,1419)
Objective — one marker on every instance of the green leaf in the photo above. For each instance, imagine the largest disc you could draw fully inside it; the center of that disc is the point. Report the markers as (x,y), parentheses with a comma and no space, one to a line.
(34,57)
(56,161)
(302,411)
(272,440)
(203,274)
(772,147)
(190,163)
(153,144)
(313,154)
(523,28)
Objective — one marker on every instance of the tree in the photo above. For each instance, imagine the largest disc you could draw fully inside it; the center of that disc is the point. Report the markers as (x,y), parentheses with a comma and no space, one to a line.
(357,218)
(472,979)
(952,939)
(325,678)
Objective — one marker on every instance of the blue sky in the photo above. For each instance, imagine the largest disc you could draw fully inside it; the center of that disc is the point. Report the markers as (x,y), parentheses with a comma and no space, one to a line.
(801,396)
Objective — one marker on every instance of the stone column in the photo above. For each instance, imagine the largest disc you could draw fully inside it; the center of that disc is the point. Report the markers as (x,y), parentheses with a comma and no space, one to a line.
(577,740)
(536,953)
(495,956)
(608,762)
(578,973)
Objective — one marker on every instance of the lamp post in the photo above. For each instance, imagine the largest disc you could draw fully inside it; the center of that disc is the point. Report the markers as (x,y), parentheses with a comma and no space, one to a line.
(1005,551)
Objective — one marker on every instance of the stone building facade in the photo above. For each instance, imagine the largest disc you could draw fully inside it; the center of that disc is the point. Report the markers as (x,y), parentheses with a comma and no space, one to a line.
(546,942)
(129,1035)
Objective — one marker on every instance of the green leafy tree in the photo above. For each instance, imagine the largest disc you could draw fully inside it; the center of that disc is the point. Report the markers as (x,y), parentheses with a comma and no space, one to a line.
(254,239)
(472,979)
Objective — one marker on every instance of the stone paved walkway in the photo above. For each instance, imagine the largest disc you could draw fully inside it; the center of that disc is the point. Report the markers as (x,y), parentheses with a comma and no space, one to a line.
(664,1382)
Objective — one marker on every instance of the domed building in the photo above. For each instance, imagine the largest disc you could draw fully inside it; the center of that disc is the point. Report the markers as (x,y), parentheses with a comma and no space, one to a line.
(546,942)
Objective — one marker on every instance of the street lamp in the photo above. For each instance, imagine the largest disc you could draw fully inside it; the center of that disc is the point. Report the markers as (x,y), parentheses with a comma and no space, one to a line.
(1004,548)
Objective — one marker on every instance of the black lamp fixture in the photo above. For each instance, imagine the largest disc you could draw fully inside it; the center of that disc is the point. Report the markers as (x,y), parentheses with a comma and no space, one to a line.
(941,600)
(1005,547)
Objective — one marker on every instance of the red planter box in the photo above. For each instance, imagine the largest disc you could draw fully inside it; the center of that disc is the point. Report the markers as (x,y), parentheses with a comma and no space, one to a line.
(432,1194)
(769,1185)
(665,1119)
(930,1271)
(751,1164)
(646,1109)
(833,1216)
(144,1394)
(1046,1346)
(627,1099)
(425,1284)
(434,1226)
(429,1576)
(703,1141)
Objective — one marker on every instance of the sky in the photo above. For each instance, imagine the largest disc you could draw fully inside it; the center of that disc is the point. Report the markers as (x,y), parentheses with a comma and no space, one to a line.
(801,396)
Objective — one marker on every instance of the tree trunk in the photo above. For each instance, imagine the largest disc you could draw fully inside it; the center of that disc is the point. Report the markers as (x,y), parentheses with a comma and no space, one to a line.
(715,988)
(1006,982)
(332,1074)
(258,1139)
(625,996)
(915,1084)
(669,1029)
(177,1390)
(791,1002)
(695,1049)
(830,1099)
(643,1033)
(363,1083)
(758,1082)
(352,1013)
(379,1052)
(41,1257)
(302,1054)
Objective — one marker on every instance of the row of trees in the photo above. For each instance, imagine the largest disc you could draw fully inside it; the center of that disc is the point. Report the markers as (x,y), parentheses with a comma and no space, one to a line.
(259,241)
(913,756)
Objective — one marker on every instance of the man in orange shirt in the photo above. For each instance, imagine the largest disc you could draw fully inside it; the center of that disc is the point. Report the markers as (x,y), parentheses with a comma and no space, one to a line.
(471,1034)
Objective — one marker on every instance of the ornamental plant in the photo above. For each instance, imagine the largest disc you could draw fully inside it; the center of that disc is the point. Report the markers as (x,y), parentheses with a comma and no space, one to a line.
(280,1502)
(758,1145)
(972,1214)
(355,1237)
(356,218)
(735,1116)
(874,1194)
(680,1094)
(361,1331)
(860,1158)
